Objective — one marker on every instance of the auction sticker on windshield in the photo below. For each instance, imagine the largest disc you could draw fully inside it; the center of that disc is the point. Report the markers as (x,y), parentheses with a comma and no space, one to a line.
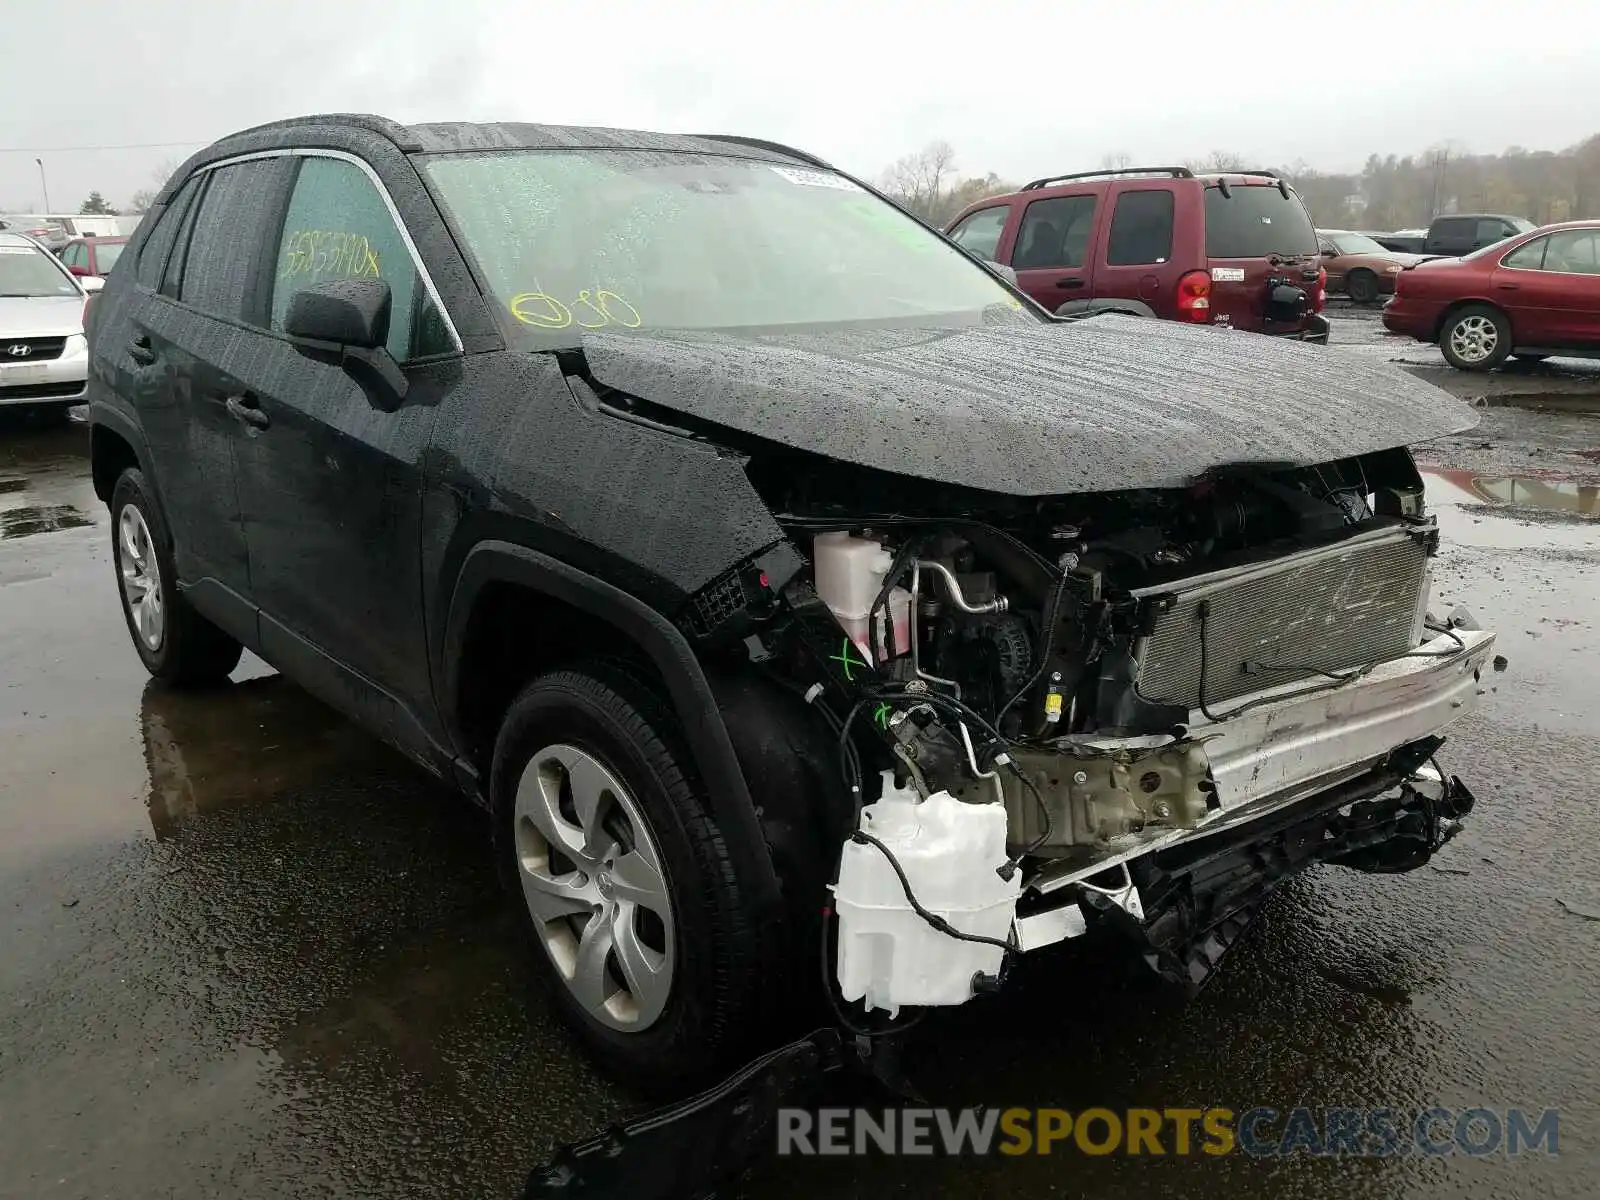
(817,179)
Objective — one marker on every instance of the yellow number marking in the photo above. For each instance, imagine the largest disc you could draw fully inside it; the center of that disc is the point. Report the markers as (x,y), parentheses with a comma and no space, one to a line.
(536,308)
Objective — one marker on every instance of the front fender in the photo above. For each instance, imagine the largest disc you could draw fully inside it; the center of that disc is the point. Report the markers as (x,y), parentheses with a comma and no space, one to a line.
(496,561)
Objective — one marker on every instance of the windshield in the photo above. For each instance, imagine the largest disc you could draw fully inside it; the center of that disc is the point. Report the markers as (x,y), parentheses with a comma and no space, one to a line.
(632,239)
(106,255)
(27,271)
(1254,221)
(1356,243)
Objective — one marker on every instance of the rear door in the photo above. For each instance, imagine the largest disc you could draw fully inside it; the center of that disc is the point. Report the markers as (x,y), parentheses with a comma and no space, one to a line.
(1054,247)
(1135,259)
(192,336)
(1256,233)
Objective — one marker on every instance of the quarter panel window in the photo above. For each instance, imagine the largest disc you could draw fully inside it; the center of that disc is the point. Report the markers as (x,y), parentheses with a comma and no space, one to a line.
(1141,229)
(153,254)
(338,227)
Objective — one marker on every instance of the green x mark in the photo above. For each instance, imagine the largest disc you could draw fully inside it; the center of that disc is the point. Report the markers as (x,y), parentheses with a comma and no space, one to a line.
(844,657)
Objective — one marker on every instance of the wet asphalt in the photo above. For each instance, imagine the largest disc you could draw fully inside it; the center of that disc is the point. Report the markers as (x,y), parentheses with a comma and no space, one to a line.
(246,951)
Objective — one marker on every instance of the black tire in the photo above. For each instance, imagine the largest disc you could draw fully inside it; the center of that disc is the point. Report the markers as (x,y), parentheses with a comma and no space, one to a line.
(1361,286)
(190,651)
(724,966)
(1475,337)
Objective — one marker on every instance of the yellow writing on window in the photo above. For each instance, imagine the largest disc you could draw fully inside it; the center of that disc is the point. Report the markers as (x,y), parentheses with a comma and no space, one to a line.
(328,254)
(588,310)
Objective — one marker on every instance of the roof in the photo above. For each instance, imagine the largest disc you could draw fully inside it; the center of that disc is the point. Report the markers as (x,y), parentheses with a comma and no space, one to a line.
(446,136)
(18,239)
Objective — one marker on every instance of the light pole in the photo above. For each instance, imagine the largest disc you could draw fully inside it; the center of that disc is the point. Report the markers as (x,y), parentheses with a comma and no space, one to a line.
(43,186)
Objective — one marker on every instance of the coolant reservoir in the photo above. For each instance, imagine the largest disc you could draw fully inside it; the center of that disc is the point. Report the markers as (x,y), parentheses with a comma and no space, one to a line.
(950,852)
(849,574)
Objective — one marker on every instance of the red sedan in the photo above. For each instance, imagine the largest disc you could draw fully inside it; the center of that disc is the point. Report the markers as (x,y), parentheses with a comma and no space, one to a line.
(1531,296)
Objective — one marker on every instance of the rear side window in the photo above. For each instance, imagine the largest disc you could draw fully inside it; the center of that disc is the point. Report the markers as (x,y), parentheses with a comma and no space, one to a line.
(981,231)
(1452,227)
(338,226)
(1141,229)
(218,269)
(1255,220)
(1527,257)
(1055,233)
(153,255)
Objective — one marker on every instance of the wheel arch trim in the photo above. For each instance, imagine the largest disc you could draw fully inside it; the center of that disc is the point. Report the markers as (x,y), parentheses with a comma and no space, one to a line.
(494,561)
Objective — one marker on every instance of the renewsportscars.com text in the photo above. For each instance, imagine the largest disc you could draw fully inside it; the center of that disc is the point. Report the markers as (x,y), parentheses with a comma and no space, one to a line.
(1260,1132)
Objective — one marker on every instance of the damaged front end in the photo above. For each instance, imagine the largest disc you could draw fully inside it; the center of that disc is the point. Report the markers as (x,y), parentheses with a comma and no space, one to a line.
(1176,698)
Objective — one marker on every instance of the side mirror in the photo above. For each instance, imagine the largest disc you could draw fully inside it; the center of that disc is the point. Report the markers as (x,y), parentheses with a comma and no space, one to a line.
(1330,253)
(344,312)
(350,317)
(90,283)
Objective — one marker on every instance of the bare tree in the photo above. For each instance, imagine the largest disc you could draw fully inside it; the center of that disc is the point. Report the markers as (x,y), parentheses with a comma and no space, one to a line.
(146,196)
(1218,160)
(922,181)
(1116,160)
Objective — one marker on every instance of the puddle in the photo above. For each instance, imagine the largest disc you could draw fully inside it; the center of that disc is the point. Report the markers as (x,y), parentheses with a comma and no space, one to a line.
(40,518)
(1552,498)
(13,485)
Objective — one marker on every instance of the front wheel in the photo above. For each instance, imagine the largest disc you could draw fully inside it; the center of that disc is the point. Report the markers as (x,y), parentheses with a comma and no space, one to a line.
(1361,287)
(1475,338)
(176,644)
(638,921)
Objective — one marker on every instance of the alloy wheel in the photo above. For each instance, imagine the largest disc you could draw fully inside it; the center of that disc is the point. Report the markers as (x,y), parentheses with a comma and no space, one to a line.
(595,887)
(1474,338)
(141,577)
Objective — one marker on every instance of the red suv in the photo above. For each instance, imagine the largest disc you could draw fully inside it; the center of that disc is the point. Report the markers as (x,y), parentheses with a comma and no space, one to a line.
(1531,296)
(1234,249)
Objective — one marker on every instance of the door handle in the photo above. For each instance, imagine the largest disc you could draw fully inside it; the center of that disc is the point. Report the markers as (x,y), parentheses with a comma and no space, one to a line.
(139,350)
(1508,287)
(245,408)
(1072,281)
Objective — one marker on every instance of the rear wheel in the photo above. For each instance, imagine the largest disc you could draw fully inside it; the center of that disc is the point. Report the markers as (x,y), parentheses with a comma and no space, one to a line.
(639,923)
(1475,338)
(176,644)
(1361,287)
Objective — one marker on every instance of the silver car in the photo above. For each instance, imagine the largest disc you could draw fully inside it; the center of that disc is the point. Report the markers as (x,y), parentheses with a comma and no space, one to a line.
(44,359)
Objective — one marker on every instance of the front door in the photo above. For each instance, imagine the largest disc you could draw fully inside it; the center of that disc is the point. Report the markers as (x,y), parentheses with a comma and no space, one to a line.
(1053,250)
(329,481)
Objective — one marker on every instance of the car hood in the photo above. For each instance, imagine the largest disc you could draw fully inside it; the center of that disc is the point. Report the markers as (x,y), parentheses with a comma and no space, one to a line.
(1101,404)
(39,316)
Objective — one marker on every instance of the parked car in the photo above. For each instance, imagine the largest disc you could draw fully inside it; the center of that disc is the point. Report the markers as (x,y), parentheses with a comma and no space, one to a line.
(92,255)
(675,497)
(1532,296)
(1358,266)
(1403,241)
(44,359)
(1234,249)
(50,234)
(1462,233)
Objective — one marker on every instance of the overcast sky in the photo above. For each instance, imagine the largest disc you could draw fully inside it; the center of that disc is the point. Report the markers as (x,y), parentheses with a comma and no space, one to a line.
(1018,87)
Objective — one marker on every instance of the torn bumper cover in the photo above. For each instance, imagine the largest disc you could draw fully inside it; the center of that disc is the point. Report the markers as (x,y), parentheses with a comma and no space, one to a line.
(1335,774)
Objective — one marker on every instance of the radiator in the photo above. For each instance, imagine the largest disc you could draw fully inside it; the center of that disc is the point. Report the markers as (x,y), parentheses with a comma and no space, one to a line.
(1325,610)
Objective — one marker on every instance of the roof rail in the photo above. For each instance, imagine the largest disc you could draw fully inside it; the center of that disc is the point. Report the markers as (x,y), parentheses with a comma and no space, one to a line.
(397,133)
(764,144)
(1107,173)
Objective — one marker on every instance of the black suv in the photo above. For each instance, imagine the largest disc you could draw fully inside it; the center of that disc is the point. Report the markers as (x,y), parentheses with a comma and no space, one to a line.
(666,493)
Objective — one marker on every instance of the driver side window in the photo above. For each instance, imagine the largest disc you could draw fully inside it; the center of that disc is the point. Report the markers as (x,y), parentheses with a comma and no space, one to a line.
(980,232)
(338,227)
